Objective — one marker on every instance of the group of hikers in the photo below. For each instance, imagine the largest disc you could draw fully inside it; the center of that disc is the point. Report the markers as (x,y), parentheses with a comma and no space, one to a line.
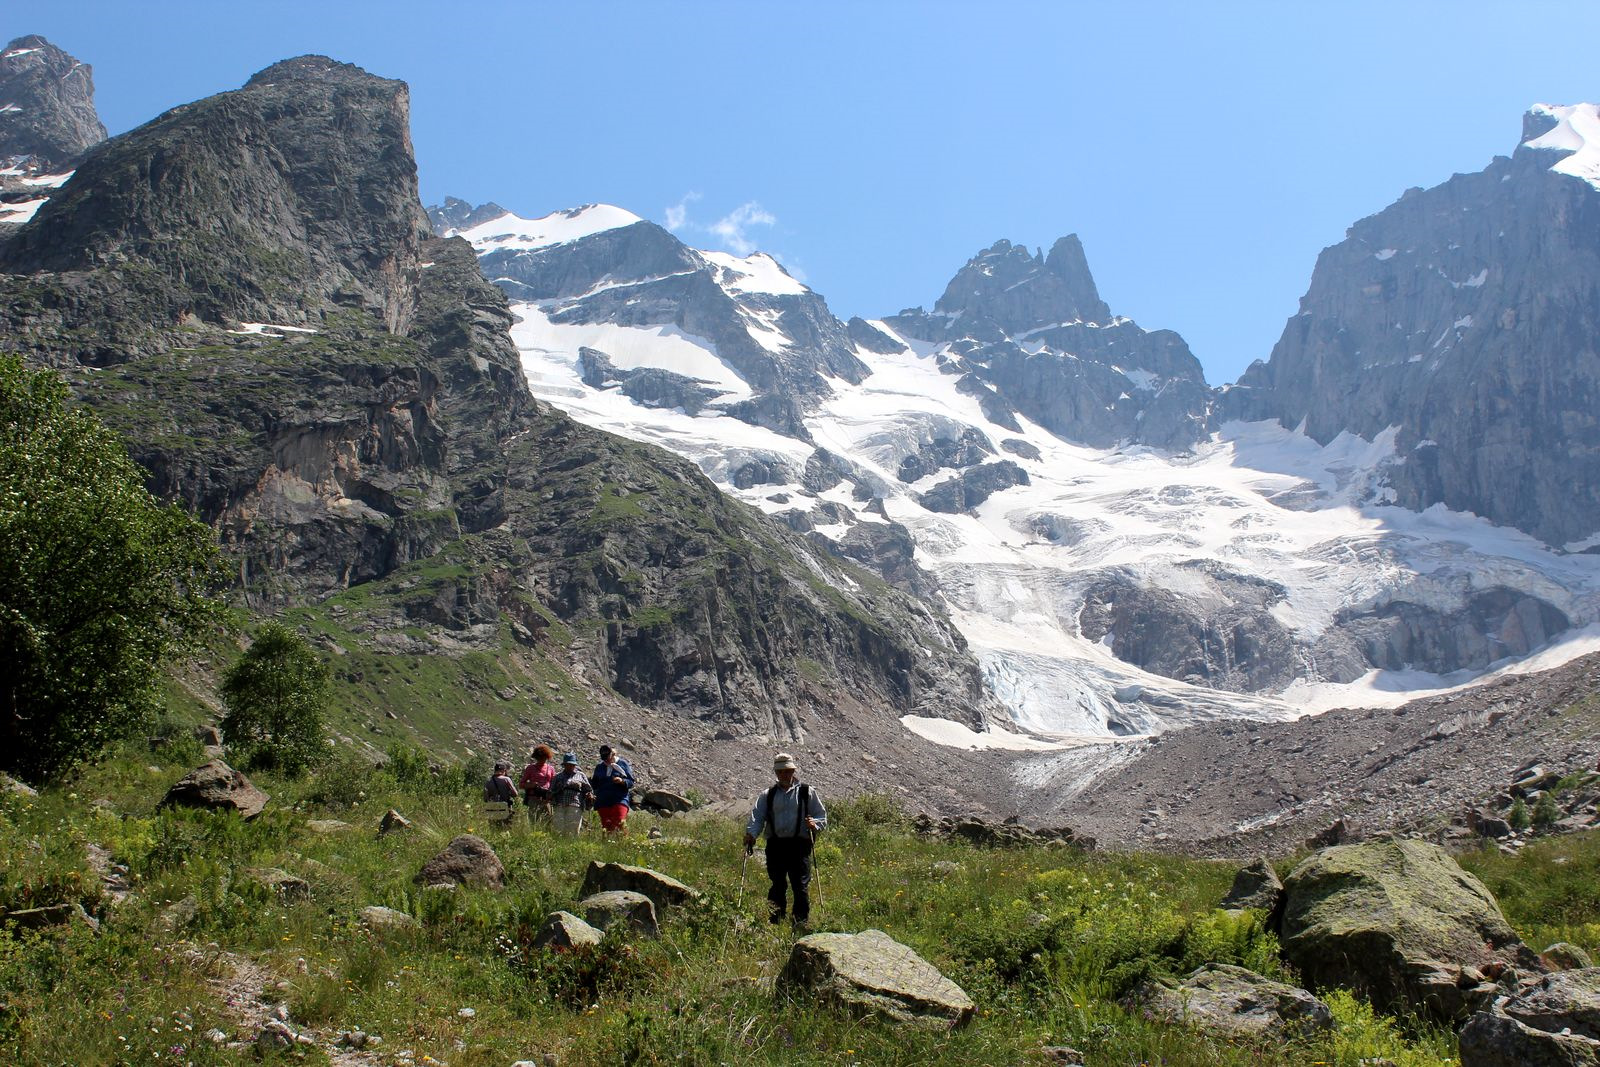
(561,797)
(789,813)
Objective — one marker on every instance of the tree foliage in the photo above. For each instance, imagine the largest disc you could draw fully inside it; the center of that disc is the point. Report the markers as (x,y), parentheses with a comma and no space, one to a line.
(99,582)
(275,695)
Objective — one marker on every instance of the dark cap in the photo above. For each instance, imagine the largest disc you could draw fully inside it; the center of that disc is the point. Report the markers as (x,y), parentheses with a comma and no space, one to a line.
(606,750)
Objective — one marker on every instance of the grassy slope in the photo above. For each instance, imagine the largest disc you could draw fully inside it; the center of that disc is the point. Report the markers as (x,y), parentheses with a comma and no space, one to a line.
(1044,940)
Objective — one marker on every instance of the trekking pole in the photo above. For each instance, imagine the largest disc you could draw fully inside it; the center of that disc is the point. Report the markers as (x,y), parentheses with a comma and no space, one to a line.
(816,872)
(744,868)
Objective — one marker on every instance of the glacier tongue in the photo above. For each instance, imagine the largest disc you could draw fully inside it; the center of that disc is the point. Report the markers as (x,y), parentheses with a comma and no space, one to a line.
(1115,590)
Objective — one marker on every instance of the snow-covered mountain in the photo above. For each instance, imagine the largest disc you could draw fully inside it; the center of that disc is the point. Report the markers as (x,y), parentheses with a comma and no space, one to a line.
(1120,561)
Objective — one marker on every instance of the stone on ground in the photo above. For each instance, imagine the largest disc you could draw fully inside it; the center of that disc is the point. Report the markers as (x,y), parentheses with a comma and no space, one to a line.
(217,787)
(662,800)
(1256,886)
(636,910)
(1553,1022)
(468,860)
(564,930)
(1234,1002)
(393,822)
(871,973)
(1564,957)
(377,917)
(285,886)
(1399,922)
(664,891)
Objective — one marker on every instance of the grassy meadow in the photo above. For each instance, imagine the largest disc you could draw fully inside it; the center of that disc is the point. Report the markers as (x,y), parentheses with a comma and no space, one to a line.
(1046,941)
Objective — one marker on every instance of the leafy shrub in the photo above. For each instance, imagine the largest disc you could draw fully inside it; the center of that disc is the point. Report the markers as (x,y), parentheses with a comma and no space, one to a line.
(275,695)
(1546,812)
(341,782)
(871,812)
(1518,816)
(1240,938)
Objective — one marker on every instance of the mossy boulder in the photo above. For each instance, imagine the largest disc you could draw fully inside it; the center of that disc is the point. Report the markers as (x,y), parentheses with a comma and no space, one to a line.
(871,973)
(1400,923)
(1554,1022)
(1233,1002)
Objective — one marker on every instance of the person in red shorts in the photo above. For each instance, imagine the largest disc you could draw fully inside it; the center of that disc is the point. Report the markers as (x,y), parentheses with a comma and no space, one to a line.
(612,779)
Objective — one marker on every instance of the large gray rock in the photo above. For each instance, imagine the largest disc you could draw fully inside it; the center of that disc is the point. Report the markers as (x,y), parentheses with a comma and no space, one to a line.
(216,787)
(377,917)
(1230,1001)
(663,890)
(47,112)
(634,910)
(1255,886)
(1554,1022)
(1402,924)
(467,860)
(871,973)
(563,931)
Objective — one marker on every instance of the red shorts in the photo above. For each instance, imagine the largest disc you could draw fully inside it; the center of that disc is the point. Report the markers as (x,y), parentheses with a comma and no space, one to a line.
(612,816)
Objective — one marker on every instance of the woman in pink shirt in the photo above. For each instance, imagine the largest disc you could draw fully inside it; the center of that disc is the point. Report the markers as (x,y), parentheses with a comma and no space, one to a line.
(535,783)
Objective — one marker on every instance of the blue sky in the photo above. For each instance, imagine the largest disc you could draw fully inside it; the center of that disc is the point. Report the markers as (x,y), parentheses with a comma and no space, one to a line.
(1205,153)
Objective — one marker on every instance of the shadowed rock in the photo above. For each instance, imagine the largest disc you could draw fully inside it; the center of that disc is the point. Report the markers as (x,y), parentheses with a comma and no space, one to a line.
(1256,886)
(1555,1022)
(216,787)
(663,890)
(1231,1001)
(468,860)
(564,930)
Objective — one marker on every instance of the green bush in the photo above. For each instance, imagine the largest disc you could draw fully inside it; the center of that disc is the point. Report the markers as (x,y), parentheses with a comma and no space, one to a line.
(275,695)
(1518,816)
(1546,812)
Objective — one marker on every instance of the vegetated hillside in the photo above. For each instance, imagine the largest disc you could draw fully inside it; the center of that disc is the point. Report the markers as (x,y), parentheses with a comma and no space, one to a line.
(1236,788)
(196,950)
(246,287)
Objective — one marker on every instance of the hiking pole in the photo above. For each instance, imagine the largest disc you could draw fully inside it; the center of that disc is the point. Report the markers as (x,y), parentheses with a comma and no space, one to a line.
(744,869)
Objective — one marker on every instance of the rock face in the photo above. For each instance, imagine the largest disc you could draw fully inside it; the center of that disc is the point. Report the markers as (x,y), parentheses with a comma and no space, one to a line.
(467,860)
(663,890)
(1233,1002)
(47,114)
(217,787)
(1554,1022)
(1029,335)
(1402,924)
(247,287)
(1255,886)
(870,973)
(1465,316)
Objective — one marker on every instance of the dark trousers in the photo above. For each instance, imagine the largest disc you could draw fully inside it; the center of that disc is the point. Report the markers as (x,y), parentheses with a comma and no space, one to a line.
(789,860)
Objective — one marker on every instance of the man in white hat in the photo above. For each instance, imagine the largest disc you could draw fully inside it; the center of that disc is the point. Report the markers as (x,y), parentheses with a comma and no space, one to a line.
(792,814)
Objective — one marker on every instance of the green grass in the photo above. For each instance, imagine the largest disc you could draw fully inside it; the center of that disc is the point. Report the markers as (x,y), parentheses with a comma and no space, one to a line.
(1045,940)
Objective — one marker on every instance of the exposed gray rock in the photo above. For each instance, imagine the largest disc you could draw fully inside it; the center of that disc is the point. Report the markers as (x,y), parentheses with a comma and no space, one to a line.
(1399,922)
(662,800)
(208,734)
(633,910)
(973,486)
(10,785)
(393,822)
(1562,956)
(378,917)
(664,890)
(217,787)
(1554,1022)
(1232,1002)
(47,114)
(285,886)
(870,973)
(455,215)
(987,834)
(467,860)
(564,930)
(1255,886)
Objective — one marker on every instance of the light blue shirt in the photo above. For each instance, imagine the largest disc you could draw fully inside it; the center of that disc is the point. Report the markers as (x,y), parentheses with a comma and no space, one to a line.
(785,818)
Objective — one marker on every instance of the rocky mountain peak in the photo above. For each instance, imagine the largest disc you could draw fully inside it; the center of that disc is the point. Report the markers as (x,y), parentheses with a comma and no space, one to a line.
(1019,291)
(306,183)
(47,113)
(455,215)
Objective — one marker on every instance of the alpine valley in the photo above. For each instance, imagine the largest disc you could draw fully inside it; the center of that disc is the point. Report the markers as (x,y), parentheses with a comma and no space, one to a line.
(565,475)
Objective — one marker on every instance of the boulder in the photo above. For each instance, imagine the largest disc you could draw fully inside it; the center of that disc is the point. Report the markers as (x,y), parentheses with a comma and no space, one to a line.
(563,931)
(662,800)
(603,910)
(1399,922)
(467,860)
(1564,957)
(663,890)
(1232,1002)
(49,915)
(1553,1022)
(208,735)
(871,973)
(1256,886)
(218,787)
(375,917)
(393,822)
(327,826)
(10,785)
(284,886)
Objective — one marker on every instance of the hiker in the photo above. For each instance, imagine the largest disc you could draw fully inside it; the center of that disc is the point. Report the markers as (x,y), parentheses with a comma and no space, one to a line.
(535,783)
(612,780)
(499,790)
(570,796)
(792,814)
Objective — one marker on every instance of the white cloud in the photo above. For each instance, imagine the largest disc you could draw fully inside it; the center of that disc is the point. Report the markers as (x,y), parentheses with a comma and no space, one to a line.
(733,227)
(678,214)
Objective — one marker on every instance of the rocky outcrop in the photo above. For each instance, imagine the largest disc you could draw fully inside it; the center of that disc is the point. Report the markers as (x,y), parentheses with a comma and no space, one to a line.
(663,890)
(635,911)
(564,931)
(1231,1002)
(47,114)
(1554,1022)
(216,786)
(1399,922)
(1464,316)
(467,860)
(987,834)
(1255,886)
(870,973)
(1028,334)
(973,486)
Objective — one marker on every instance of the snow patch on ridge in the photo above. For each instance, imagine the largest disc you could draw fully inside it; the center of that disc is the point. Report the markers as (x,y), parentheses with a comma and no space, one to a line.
(1577,131)
(514,232)
(756,273)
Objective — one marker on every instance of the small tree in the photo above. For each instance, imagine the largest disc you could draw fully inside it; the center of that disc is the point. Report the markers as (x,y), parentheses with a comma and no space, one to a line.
(1518,816)
(1546,812)
(100,584)
(275,695)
